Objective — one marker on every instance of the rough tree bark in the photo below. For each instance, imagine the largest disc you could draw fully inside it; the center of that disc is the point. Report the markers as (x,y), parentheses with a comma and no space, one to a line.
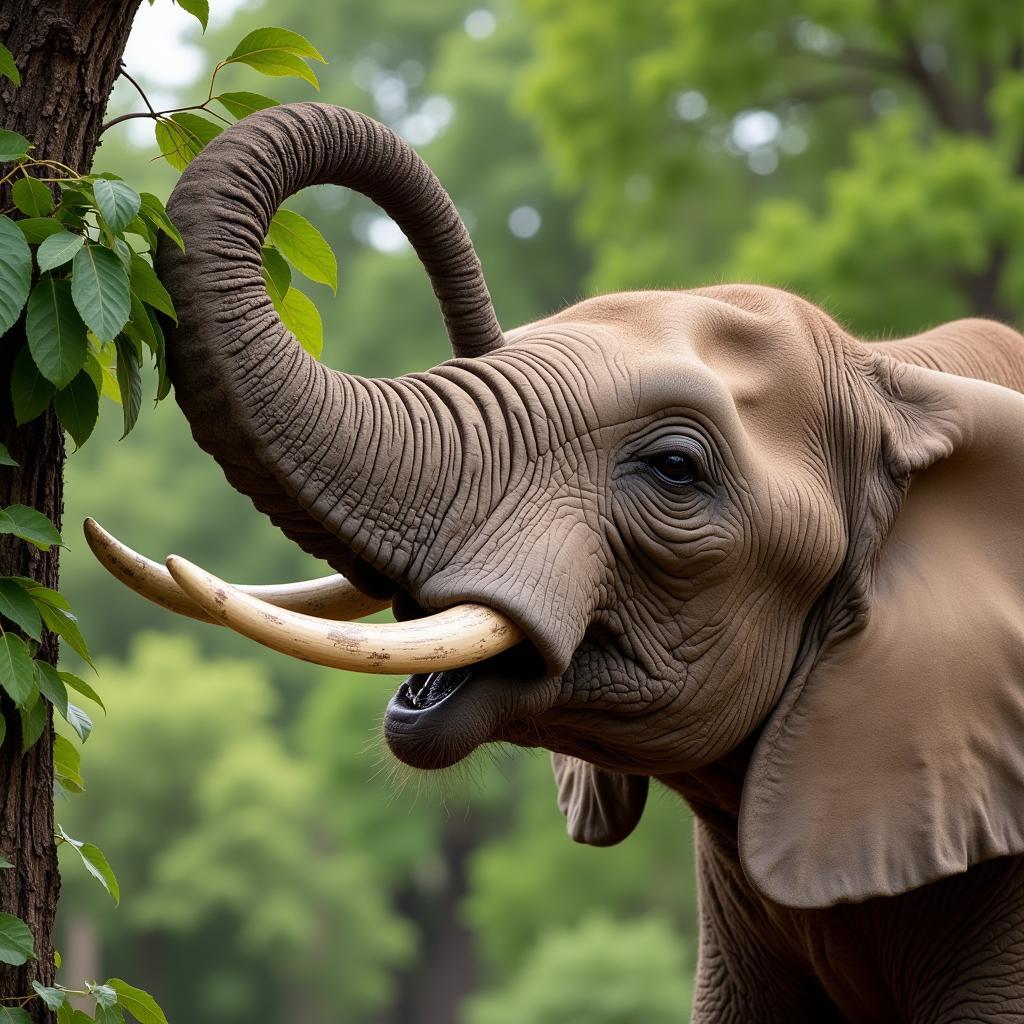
(68,53)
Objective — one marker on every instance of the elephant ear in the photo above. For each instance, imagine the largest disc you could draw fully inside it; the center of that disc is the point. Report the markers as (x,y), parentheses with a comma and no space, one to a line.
(601,808)
(895,757)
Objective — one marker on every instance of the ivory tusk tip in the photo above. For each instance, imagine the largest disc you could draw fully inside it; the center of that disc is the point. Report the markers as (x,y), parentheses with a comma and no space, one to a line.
(181,568)
(332,597)
(94,533)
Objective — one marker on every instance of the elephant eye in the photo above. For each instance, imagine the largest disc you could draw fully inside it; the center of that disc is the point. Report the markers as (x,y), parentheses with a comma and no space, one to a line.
(674,467)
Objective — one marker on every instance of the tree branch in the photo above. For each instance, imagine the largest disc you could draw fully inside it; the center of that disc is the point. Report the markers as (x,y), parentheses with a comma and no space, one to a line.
(821,92)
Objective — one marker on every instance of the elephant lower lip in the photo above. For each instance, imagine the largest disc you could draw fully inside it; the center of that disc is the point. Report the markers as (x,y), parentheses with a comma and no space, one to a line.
(426,724)
(435,720)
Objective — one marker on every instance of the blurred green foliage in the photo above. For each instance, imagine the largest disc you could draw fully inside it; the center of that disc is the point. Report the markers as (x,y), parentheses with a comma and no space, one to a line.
(600,972)
(274,862)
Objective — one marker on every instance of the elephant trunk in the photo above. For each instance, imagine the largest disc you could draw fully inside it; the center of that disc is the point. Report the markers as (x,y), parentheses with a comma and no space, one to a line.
(281,424)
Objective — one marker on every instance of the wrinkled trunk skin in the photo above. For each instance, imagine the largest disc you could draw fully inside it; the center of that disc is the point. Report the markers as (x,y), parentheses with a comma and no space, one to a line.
(290,433)
(68,52)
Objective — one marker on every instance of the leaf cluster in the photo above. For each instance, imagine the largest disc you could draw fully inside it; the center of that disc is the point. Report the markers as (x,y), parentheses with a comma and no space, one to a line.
(79,264)
(113,998)
(293,242)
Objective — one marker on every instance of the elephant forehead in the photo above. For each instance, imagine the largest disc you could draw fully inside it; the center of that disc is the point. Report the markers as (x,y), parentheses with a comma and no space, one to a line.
(753,355)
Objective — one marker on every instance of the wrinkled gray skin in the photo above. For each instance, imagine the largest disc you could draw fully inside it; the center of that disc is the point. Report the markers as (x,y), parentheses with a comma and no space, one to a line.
(770,566)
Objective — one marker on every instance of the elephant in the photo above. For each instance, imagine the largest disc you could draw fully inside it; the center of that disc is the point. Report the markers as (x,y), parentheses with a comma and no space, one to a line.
(703,537)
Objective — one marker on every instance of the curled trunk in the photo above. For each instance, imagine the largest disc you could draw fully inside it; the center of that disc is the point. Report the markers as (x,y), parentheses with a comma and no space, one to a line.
(282,425)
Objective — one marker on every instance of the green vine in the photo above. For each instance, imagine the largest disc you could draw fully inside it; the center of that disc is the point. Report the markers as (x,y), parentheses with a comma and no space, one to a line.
(77,270)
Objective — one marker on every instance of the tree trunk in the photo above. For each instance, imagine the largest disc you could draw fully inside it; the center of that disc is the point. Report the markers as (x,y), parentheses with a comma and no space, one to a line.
(68,53)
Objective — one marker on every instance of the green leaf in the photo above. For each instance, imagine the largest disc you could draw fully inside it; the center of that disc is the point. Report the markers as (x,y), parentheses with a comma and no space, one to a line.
(139,327)
(129,382)
(32,197)
(58,249)
(177,145)
(5,457)
(79,684)
(278,64)
(146,285)
(44,595)
(33,722)
(104,995)
(29,524)
(304,247)
(101,372)
(37,229)
(30,390)
(7,66)
(67,1015)
(15,272)
(16,605)
(67,764)
(17,676)
(53,997)
(16,945)
(55,332)
(124,253)
(153,210)
(301,317)
(79,721)
(277,269)
(199,8)
(78,407)
(109,1015)
(139,226)
(97,865)
(75,203)
(241,104)
(141,1005)
(12,146)
(14,1015)
(4,862)
(118,203)
(262,39)
(201,129)
(160,355)
(100,288)
(51,686)
(181,136)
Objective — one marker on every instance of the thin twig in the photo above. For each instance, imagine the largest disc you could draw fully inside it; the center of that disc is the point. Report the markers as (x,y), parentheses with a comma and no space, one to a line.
(213,78)
(153,114)
(138,89)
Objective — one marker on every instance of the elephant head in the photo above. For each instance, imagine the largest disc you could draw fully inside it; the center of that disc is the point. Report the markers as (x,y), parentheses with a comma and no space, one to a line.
(708,517)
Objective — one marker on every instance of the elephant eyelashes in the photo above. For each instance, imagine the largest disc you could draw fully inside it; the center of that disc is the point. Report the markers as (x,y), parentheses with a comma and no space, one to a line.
(674,467)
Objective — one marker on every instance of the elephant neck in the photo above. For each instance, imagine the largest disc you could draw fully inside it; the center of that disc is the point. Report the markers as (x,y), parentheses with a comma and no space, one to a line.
(714,791)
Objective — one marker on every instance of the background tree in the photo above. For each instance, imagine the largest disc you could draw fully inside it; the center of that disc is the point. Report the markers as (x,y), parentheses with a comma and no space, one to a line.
(883,136)
(68,53)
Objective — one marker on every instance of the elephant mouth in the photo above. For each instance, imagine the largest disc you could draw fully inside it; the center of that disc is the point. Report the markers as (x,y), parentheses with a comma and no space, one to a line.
(478,675)
(436,719)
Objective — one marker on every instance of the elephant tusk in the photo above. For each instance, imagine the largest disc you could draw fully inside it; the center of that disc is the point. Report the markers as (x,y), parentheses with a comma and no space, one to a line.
(449,639)
(332,597)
